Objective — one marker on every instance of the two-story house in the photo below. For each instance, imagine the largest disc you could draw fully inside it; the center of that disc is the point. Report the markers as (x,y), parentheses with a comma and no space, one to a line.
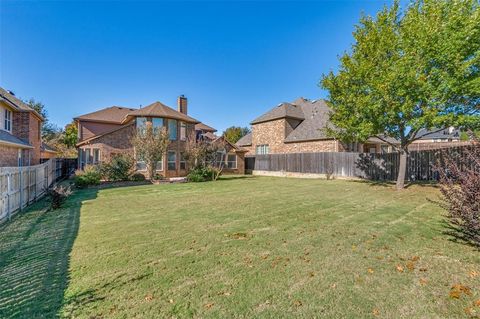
(299,127)
(20,132)
(107,132)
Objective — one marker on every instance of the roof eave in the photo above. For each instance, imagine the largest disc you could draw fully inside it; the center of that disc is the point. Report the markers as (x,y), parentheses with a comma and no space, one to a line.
(15,144)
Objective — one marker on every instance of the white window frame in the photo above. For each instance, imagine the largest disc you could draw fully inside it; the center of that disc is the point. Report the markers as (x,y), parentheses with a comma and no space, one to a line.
(169,161)
(20,158)
(7,120)
(183,131)
(234,161)
(262,149)
(88,153)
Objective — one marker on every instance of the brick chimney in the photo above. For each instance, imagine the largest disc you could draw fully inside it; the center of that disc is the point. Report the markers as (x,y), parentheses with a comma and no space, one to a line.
(182,104)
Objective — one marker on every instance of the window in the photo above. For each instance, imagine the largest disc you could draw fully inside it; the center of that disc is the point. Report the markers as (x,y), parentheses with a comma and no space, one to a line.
(183,131)
(158,123)
(96,156)
(141,124)
(232,161)
(172,161)
(159,166)
(262,149)
(8,120)
(183,163)
(172,129)
(88,159)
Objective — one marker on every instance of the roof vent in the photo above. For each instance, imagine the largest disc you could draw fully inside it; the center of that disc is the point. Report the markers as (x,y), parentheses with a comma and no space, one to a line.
(11,92)
(280,104)
(314,101)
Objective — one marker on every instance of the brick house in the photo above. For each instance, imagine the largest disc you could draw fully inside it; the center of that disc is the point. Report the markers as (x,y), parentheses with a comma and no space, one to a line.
(108,132)
(20,132)
(299,127)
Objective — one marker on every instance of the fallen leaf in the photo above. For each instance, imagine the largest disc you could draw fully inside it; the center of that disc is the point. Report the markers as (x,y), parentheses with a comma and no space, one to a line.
(423,281)
(423,269)
(415,258)
(474,274)
(410,265)
(399,268)
(376,312)
(457,290)
(208,305)
(170,301)
(297,303)
(333,286)
(148,298)
(370,270)
(311,274)
(477,303)
(468,311)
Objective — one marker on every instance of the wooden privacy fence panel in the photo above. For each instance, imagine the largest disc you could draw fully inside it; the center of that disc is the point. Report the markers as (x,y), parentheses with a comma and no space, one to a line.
(421,165)
(20,186)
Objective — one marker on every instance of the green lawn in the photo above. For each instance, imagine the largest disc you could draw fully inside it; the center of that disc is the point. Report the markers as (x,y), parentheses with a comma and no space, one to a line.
(239,247)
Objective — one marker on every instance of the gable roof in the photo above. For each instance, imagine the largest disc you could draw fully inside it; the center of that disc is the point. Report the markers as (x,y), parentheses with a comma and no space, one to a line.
(245,140)
(18,104)
(47,148)
(9,139)
(446,133)
(204,127)
(317,118)
(92,138)
(282,110)
(112,114)
(158,109)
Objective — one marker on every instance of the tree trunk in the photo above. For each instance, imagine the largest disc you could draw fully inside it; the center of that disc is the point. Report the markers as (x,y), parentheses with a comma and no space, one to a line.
(402,169)
(151,171)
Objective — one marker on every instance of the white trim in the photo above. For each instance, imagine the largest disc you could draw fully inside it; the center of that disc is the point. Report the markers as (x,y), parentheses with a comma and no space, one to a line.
(15,144)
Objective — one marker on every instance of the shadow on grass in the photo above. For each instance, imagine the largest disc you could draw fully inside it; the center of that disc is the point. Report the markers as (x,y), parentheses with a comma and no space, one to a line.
(460,236)
(226,178)
(34,258)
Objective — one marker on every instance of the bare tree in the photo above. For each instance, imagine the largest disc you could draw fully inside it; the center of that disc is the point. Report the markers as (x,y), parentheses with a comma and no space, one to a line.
(150,145)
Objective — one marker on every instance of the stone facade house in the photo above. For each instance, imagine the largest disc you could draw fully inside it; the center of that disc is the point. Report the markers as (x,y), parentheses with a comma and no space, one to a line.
(108,132)
(20,132)
(299,127)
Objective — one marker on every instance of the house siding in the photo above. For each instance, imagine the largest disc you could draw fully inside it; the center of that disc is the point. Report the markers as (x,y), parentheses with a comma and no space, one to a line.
(87,129)
(9,156)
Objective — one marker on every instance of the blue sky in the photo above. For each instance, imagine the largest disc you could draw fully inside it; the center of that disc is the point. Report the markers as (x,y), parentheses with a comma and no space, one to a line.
(233,60)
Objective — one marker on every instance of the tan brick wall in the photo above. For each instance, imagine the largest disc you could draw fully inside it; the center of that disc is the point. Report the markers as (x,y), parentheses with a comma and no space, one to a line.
(273,133)
(26,126)
(8,156)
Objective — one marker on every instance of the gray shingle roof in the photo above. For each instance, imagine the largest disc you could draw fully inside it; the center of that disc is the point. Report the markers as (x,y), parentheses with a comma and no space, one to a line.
(10,139)
(283,110)
(113,114)
(316,118)
(245,140)
(19,104)
(160,110)
(443,134)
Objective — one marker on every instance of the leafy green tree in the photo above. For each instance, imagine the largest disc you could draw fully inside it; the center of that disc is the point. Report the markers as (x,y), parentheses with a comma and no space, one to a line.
(234,133)
(71,134)
(49,130)
(407,70)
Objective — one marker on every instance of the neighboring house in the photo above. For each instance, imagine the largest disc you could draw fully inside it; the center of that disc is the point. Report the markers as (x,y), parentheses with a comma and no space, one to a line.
(108,132)
(449,134)
(299,127)
(47,152)
(20,132)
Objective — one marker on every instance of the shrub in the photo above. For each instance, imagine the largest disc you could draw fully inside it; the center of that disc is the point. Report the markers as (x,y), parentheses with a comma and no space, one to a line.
(58,195)
(201,174)
(460,188)
(89,176)
(120,168)
(158,177)
(137,177)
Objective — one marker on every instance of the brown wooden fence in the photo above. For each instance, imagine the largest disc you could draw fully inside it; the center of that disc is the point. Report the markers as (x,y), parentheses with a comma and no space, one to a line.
(420,164)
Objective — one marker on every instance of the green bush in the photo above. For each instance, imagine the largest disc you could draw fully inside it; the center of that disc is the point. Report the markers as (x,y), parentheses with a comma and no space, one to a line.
(89,176)
(120,168)
(137,177)
(201,174)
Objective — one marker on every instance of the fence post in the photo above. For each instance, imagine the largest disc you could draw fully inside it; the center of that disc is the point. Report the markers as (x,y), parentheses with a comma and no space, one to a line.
(8,195)
(20,182)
